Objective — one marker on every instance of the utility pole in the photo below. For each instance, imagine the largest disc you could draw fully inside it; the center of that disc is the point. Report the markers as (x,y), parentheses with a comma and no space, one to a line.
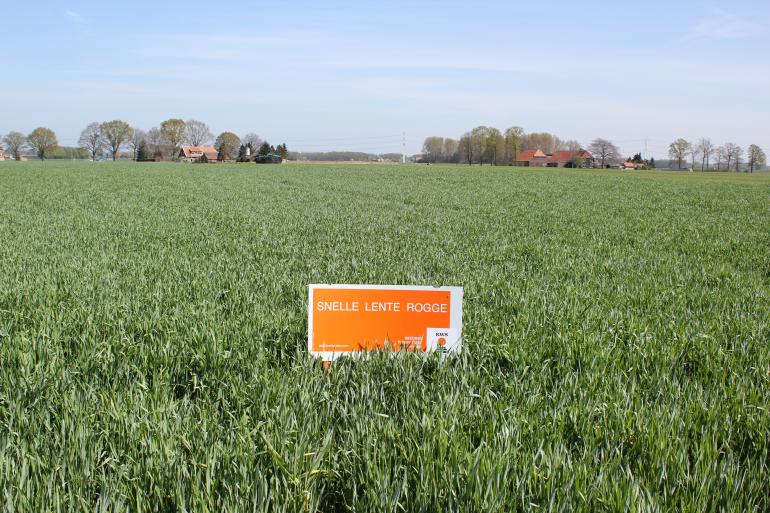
(646,155)
(403,148)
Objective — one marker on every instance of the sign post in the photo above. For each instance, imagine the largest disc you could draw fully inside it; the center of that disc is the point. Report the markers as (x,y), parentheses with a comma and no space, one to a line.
(348,319)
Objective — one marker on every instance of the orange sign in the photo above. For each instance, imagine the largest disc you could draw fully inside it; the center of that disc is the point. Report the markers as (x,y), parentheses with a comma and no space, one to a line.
(345,319)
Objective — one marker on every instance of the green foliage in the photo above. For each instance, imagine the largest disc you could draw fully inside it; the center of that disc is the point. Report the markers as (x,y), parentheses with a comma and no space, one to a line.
(265,148)
(68,152)
(153,340)
(227,144)
(117,133)
(142,152)
(42,141)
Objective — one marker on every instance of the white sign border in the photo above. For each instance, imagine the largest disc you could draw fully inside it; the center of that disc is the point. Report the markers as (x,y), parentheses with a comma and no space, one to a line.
(455,311)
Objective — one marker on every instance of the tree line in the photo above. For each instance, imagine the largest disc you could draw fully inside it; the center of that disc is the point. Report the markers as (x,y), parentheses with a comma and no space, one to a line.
(485,145)
(488,145)
(165,141)
(704,154)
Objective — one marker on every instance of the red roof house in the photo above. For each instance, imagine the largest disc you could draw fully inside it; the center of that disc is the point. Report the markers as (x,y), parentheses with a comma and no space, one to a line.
(193,153)
(531,158)
(566,158)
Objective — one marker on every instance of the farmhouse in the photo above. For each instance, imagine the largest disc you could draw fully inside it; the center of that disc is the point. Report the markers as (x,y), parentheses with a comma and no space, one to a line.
(561,158)
(4,155)
(193,153)
(532,158)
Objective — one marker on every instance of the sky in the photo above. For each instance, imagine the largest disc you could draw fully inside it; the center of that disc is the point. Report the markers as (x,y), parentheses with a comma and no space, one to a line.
(355,75)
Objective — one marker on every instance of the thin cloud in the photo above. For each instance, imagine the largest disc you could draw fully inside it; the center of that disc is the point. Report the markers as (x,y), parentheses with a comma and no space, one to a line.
(720,24)
(75,17)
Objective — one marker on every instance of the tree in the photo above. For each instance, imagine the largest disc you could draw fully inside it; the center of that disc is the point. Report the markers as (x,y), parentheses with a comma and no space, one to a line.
(283,151)
(737,156)
(541,141)
(92,139)
(173,132)
(142,153)
(512,143)
(706,150)
(197,132)
(756,158)
(14,142)
(571,145)
(730,150)
(137,139)
(479,136)
(117,133)
(154,140)
(494,145)
(678,151)
(242,153)
(721,155)
(449,152)
(252,140)
(227,144)
(433,149)
(604,151)
(264,149)
(465,148)
(42,141)
(652,163)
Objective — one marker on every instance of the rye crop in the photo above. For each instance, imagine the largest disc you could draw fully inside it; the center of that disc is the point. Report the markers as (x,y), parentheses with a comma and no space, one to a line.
(153,340)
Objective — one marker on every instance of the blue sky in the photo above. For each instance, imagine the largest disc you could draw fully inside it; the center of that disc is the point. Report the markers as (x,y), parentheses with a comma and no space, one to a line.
(355,75)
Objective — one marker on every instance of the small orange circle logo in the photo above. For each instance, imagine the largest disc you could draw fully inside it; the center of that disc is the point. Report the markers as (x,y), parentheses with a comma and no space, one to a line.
(442,341)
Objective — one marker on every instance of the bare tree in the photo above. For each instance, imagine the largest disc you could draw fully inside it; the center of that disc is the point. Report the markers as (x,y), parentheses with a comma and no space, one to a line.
(756,158)
(449,151)
(14,142)
(541,141)
(737,156)
(465,148)
(678,151)
(253,140)
(433,148)
(42,141)
(706,150)
(730,151)
(155,140)
(604,151)
(721,154)
(92,139)
(138,137)
(198,133)
(117,133)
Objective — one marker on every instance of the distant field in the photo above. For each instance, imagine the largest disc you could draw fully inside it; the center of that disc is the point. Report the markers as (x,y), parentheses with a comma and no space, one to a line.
(153,339)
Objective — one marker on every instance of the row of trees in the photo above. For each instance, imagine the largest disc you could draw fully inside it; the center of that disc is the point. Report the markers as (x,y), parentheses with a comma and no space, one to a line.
(488,145)
(704,154)
(41,141)
(112,137)
(485,145)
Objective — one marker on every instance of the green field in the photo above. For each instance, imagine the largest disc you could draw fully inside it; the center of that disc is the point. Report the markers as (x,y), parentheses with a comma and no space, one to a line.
(153,340)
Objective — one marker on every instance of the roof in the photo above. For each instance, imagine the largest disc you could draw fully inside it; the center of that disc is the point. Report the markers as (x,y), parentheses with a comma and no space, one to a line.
(568,155)
(528,155)
(197,151)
